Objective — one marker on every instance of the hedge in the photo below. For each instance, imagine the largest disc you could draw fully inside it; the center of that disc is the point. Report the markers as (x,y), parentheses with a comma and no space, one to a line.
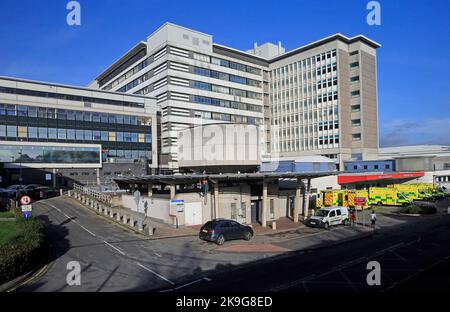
(24,251)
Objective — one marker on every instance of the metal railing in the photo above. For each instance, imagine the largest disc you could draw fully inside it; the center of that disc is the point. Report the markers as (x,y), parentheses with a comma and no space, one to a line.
(104,198)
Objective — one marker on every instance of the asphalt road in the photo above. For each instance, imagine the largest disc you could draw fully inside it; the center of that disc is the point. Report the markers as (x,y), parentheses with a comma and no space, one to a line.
(113,259)
(404,252)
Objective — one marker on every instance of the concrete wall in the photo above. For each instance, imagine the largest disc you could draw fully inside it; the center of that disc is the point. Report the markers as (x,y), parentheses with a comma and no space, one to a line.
(157,206)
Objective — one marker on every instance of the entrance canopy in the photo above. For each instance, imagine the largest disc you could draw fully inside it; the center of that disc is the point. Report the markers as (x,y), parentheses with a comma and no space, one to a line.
(229,177)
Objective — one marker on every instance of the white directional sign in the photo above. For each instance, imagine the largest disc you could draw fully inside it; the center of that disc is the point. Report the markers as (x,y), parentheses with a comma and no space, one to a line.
(26,208)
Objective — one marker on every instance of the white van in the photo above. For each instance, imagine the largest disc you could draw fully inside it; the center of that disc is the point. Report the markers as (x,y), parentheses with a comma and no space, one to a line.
(328,216)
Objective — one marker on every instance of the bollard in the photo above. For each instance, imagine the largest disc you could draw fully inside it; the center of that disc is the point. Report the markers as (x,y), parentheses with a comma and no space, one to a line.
(105,210)
(69,193)
(60,192)
(140,225)
(131,221)
(274,225)
(448,209)
(151,230)
(118,216)
(124,219)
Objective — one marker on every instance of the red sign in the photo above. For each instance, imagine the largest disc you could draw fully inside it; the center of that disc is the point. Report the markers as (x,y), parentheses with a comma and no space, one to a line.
(25,200)
(360,201)
(346,179)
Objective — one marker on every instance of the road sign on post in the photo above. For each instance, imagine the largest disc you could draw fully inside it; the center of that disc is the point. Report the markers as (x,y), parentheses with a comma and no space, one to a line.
(360,201)
(25,206)
(25,200)
(137,198)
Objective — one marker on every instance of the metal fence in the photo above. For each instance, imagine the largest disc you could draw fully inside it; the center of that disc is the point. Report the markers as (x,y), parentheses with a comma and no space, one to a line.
(100,196)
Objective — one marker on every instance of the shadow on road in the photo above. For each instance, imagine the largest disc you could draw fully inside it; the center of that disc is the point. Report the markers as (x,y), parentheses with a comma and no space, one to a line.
(58,245)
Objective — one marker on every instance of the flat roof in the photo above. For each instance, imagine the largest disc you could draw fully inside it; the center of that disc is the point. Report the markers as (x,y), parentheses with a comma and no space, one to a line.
(51,84)
(189,178)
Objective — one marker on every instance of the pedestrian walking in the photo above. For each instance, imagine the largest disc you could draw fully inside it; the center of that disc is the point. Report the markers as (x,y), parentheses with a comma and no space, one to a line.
(352,217)
(373,219)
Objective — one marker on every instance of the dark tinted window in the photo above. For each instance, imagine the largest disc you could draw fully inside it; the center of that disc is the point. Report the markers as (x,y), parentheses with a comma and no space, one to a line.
(210,225)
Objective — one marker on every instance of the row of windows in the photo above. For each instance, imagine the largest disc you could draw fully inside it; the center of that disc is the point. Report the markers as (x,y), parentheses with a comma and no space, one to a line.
(69,97)
(220,89)
(73,134)
(226,103)
(329,140)
(327,97)
(326,69)
(49,154)
(128,74)
(66,114)
(134,83)
(128,154)
(312,114)
(228,77)
(366,167)
(330,82)
(325,55)
(225,63)
(227,117)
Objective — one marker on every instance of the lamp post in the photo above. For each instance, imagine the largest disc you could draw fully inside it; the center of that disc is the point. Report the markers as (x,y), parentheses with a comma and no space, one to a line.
(20,163)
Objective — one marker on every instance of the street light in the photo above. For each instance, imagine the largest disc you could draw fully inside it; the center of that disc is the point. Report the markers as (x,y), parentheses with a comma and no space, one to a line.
(20,162)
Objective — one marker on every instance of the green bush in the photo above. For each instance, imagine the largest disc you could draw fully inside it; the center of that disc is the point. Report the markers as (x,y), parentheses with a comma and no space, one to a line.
(416,209)
(22,252)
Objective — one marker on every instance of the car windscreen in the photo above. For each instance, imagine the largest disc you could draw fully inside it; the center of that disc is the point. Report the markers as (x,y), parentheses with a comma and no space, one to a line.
(321,213)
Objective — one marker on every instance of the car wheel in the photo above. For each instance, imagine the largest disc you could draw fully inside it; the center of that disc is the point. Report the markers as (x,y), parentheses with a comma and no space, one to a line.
(326,225)
(379,203)
(220,240)
(247,236)
(345,222)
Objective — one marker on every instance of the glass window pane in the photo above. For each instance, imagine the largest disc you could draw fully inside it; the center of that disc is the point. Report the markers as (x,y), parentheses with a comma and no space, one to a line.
(52,133)
(11,131)
(62,134)
(70,134)
(88,135)
(42,133)
(79,134)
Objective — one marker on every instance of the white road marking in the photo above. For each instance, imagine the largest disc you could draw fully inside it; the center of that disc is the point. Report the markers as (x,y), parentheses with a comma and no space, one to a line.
(153,272)
(69,217)
(190,283)
(117,249)
(85,229)
(114,247)
(388,249)
(347,280)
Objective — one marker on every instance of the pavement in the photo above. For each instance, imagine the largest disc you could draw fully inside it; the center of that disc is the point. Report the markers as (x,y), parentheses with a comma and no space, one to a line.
(114,259)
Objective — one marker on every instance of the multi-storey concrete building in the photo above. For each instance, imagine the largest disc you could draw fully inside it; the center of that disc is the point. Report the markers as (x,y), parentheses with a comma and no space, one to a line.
(56,134)
(323,99)
(319,99)
(194,80)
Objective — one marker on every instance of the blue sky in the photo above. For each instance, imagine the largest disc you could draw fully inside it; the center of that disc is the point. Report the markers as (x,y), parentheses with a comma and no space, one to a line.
(413,64)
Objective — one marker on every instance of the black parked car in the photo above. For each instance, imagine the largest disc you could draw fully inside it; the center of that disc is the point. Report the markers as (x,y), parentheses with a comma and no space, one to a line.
(36,191)
(11,191)
(221,230)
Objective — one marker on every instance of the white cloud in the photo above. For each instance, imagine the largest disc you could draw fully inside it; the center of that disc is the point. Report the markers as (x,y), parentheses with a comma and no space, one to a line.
(426,131)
